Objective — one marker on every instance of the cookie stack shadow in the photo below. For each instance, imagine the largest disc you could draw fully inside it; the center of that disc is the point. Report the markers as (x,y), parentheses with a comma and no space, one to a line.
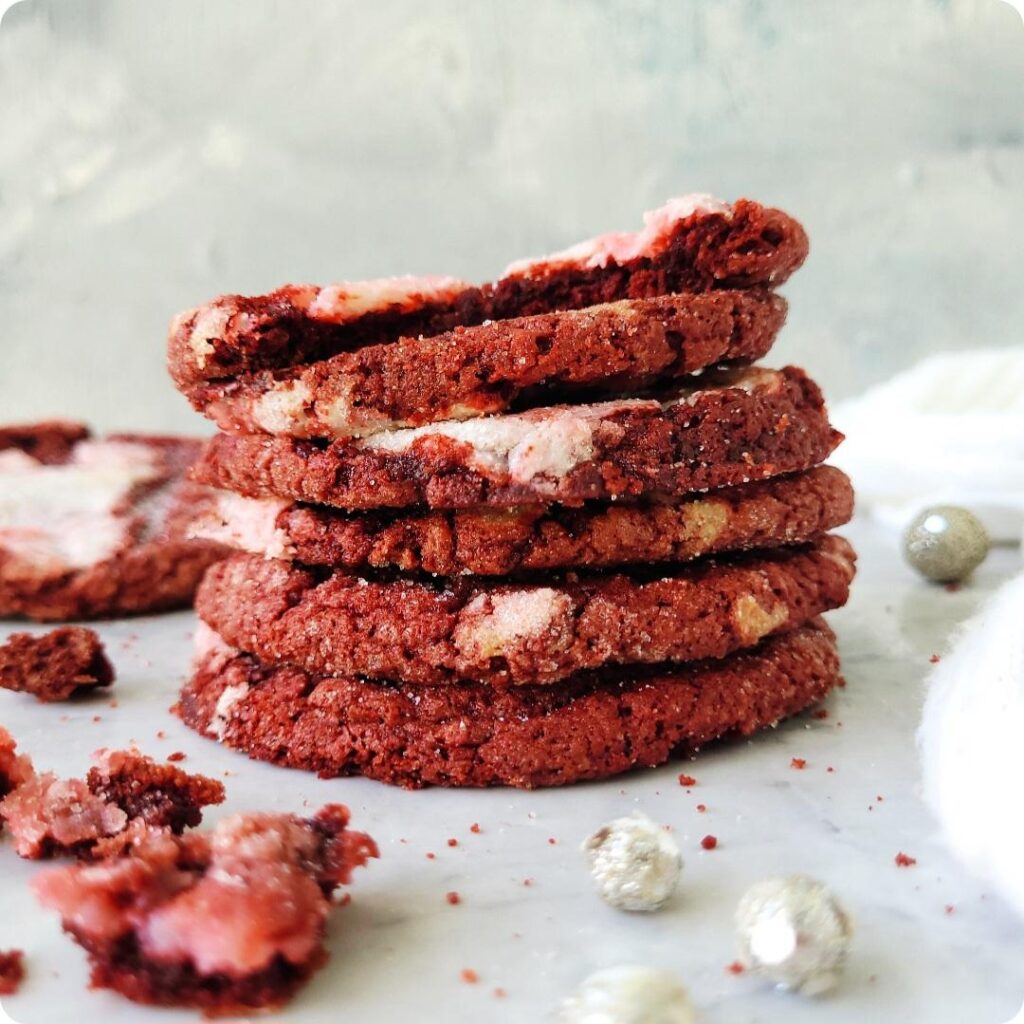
(546,529)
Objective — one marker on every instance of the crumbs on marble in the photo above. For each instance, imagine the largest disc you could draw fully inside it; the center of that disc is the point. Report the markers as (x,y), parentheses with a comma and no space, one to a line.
(453,841)
(735,967)
(453,898)
(687,780)
(709,843)
(799,763)
(475,828)
(469,976)
(904,861)
(701,808)
(178,755)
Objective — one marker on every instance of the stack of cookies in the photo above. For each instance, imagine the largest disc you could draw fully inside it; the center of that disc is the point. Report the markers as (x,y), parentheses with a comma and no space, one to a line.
(545,529)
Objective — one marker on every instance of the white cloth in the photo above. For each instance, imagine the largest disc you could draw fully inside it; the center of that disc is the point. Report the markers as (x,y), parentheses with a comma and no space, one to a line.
(970,743)
(950,430)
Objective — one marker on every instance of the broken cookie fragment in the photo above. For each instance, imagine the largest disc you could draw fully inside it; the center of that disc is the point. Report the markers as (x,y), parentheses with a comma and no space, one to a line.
(123,797)
(56,665)
(12,971)
(15,768)
(227,921)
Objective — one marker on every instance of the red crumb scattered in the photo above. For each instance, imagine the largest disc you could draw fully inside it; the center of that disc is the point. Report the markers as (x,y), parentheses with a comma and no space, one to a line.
(905,861)
(12,971)
(431,856)
(687,780)
(178,755)
(821,713)
(935,659)
(709,842)
(830,769)
(527,882)
(453,842)
(798,763)
(453,898)
(552,840)
(114,704)
(161,735)
(879,798)
(702,808)
(475,829)
(500,993)
(735,967)
(952,588)
(97,718)
(469,976)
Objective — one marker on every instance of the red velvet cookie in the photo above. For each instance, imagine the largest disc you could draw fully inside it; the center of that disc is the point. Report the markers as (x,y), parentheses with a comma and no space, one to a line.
(496,541)
(692,243)
(734,427)
(97,527)
(589,727)
(619,347)
(228,921)
(519,633)
(56,665)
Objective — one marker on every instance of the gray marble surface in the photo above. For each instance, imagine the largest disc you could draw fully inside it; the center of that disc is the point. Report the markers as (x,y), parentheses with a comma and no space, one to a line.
(398,949)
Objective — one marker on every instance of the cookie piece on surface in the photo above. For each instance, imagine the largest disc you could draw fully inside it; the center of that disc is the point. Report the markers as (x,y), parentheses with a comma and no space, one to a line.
(692,243)
(519,633)
(733,427)
(498,541)
(100,527)
(12,971)
(124,796)
(590,727)
(15,768)
(56,665)
(619,347)
(228,921)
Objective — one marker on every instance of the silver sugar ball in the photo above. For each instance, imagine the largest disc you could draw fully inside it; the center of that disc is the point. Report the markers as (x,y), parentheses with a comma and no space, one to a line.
(793,932)
(628,995)
(946,543)
(635,863)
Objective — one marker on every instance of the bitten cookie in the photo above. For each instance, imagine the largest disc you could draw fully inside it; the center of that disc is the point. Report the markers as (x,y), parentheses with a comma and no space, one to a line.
(497,541)
(692,243)
(515,634)
(590,727)
(619,347)
(97,527)
(734,427)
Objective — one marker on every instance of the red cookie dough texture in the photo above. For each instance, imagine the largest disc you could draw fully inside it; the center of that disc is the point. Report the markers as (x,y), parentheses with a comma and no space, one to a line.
(123,797)
(733,427)
(97,527)
(472,371)
(229,921)
(591,726)
(498,541)
(56,665)
(691,244)
(507,634)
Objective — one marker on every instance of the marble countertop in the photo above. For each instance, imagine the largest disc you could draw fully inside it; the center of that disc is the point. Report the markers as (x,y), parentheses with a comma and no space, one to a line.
(529,922)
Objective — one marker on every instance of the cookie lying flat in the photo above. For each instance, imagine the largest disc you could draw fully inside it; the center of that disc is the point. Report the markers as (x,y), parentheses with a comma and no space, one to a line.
(100,527)
(516,634)
(623,347)
(692,243)
(56,665)
(227,921)
(734,427)
(588,728)
(497,541)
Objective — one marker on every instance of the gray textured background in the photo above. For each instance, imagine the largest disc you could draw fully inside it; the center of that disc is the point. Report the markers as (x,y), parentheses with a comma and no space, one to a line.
(153,155)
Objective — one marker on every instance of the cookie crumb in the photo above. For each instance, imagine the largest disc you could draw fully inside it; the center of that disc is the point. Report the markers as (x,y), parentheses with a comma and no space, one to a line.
(469,976)
(735,967)
(709,842)
(453,898)
(905,861)
(687,780)
(12,971)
